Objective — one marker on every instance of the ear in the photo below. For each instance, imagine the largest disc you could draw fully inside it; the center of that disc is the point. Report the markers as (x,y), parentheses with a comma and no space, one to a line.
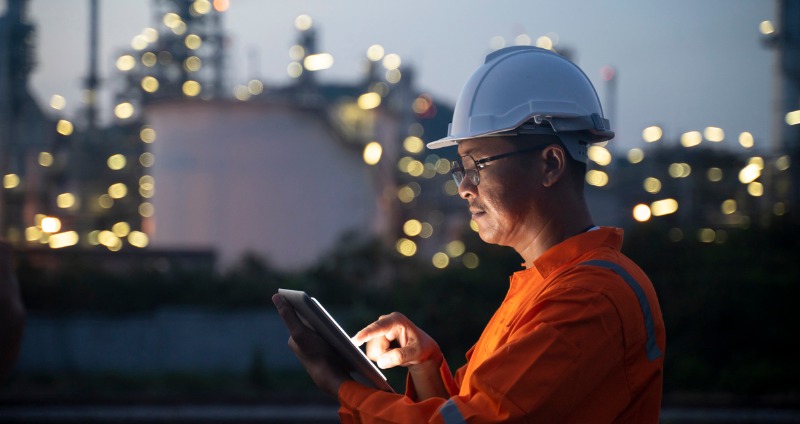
(554,159)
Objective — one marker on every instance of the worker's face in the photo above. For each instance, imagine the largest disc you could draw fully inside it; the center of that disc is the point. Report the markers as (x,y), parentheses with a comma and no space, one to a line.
(503,203)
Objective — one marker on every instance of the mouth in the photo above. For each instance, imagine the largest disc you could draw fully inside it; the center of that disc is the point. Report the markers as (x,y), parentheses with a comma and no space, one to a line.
(476,212)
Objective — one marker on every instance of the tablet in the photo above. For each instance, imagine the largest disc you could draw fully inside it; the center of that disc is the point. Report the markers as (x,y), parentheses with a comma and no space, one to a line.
(317,318)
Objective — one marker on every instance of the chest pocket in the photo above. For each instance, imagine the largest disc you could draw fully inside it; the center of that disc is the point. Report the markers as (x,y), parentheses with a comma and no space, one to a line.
(652,350)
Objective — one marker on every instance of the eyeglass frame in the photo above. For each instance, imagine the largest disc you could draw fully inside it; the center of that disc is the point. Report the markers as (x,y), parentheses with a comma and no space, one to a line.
(457,166)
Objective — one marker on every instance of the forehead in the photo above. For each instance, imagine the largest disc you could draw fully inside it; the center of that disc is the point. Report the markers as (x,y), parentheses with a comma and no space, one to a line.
(484,146)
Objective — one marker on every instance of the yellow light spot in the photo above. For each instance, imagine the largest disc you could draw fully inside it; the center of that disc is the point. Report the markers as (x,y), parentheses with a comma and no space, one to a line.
(714,134)
(121,229)
(691,138)
(149,59)
(191,88)
(123,110)
(757,161)
(297,52)
(664,207)
(440,260)
(393,76)
(412,227)
(60,240)
(793,117)
(405,194)
(706,235)
(635,155)
(10,181)
(652,185)
(147,134)
(201,6)
(597,178)
(116,162)
(303,22)
(544,42)
(64,127)
(679,170)
(375,52)
(146,209)
(782,163)
(369,100)
(147,159)
(65,200)
(746,140)
(108,239)
(255,87)
(372,153)
(126,62)
(755,189)
(415,168)
(117,190)
(766,27)
(714,174)
(57,102)
(443,166)
(473,225)
(652,134)
(391,61)
(33,233)
(450,188)
(241,93)
(105,201)
(318,62)
(294,69)
(179,29)
(779,209)
(139,42)
(192,64)
(193,41)
(150,34)
(675,234)
(149,84)
(455,248)
(51,224)
(641,212)
(171,20)
(470,260)
(599,155)
(92,237)
(413,144)
(138,239)
(523,40)
(749,173)
(728,206)
(46,159)
(406,247)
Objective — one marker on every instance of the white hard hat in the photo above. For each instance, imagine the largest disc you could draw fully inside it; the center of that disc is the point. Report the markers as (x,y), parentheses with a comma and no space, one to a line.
(528,90)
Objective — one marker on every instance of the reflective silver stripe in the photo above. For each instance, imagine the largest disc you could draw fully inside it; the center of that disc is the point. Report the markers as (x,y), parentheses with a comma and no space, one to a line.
(653,352)
(450,413)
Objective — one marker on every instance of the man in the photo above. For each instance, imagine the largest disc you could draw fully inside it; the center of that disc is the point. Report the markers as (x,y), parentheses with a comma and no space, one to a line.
(579,337)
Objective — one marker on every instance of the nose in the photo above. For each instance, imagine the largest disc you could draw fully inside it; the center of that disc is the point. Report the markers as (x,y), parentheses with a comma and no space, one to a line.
(467,189)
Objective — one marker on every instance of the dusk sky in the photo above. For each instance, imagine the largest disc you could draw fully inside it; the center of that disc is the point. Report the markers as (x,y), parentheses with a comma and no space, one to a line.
(684,64)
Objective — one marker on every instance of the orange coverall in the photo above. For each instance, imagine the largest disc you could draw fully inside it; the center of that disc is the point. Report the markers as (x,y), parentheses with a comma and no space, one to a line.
(573,342)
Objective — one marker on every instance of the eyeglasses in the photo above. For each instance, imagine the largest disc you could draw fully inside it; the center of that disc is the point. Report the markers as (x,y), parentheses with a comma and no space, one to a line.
(469,167)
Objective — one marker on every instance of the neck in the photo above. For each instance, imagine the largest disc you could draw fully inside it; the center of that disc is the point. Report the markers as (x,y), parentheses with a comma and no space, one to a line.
(553,231)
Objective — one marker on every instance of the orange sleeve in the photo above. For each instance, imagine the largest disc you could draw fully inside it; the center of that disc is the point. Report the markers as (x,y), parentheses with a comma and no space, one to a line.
(559,354)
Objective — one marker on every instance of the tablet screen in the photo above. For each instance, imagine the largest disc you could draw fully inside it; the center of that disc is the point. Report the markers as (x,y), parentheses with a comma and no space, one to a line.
(314,315)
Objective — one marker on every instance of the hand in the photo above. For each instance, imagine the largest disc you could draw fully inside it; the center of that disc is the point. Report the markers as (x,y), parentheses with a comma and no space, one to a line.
(415,346)
(319,360)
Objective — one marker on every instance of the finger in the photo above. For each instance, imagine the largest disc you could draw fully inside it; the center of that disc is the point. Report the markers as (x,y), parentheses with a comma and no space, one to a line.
(402,356)
(288,315)
(377,347)
(378,328)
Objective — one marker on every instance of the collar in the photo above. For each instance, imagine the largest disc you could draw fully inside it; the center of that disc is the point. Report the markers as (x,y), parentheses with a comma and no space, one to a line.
(576,246)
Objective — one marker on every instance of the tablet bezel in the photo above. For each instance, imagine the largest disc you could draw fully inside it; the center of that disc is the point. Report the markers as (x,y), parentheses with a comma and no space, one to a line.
(314,315)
